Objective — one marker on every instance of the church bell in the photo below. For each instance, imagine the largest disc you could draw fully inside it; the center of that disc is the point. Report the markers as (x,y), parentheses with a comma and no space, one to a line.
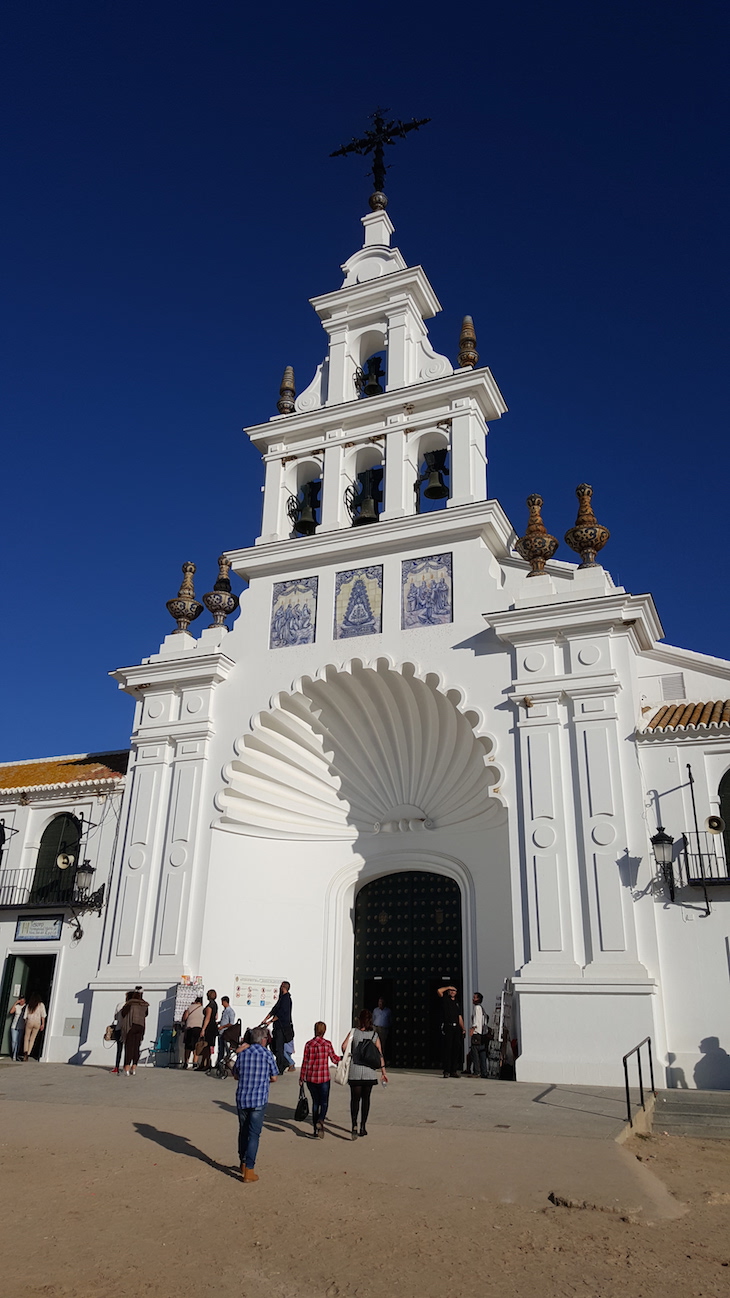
(364,497)
(302,511)
(436,488)
(367,380)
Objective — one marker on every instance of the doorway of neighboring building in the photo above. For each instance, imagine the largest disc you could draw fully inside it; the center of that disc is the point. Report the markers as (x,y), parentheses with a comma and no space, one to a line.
(408,943)
(25,975)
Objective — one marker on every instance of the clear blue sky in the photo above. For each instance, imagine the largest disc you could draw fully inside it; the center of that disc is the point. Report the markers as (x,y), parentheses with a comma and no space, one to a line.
(170,206)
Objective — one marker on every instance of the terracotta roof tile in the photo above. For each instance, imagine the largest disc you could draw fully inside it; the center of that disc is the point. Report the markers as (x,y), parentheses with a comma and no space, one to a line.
(63,770)
(677,716)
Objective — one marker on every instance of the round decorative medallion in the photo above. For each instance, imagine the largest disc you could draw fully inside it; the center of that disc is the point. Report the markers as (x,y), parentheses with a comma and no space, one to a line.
(533,662)
(136,858)
(589,654)
(603,833)
(178,855)
(155,708)
(193,703)
(543,836)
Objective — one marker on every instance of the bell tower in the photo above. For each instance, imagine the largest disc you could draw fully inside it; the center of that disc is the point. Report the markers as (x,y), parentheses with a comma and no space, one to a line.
(381,400)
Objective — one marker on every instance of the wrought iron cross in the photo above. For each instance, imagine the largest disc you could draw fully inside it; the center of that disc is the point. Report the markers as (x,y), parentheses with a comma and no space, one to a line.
(374,142)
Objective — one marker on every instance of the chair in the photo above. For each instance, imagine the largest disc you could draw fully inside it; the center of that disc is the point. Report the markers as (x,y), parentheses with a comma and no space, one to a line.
(164,1045)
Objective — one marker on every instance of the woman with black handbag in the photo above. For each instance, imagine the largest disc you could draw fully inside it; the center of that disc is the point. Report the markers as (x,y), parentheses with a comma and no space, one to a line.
(315,1071)
(365,1062)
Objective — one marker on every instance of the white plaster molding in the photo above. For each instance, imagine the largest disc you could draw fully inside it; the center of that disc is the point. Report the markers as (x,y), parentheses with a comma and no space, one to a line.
(688,659)
(484,520)
(364,748)
(73,788)
(634,613)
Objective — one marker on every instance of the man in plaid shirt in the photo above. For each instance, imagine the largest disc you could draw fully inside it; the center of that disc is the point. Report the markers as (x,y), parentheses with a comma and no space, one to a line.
(255,1068)
(315,1071)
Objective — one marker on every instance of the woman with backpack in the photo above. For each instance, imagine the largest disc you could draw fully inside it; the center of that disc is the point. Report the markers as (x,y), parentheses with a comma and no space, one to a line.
(366,1061)
(134,1014)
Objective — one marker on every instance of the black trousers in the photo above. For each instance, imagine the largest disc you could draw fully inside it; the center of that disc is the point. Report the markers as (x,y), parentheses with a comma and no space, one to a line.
(453,1048)
(277,1045)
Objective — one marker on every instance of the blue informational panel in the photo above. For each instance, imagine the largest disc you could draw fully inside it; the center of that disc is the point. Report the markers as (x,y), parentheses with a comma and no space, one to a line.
(39,928)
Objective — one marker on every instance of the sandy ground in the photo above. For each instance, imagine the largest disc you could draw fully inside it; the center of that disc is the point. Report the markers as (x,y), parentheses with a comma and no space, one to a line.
(143,1197)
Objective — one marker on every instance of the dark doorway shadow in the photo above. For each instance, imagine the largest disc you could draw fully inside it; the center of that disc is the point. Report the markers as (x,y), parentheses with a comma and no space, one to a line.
(712,1072)
(181,1145)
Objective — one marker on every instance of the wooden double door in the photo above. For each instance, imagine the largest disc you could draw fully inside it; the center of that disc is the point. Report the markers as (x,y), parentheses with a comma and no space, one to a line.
(408,942)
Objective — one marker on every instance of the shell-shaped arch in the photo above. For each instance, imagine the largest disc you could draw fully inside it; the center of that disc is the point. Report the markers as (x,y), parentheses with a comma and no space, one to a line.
(360,749)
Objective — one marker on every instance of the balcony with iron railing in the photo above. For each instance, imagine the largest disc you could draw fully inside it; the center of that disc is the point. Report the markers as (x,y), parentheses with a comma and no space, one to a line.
(704,860)
(19,890)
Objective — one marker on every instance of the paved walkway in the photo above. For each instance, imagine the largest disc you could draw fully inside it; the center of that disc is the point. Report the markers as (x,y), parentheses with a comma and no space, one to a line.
(504,1142)
(411,1099)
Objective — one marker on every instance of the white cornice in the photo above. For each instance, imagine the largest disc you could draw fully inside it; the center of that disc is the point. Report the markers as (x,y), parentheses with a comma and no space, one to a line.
(191,668)
(605,612)
(383,292)
(371,415)
(688,659)
(485,519)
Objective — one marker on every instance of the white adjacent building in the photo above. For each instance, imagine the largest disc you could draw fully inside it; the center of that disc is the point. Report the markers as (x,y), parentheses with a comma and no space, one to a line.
(412,758)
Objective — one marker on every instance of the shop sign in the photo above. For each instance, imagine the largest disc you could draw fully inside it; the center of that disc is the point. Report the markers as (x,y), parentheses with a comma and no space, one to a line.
(39,928)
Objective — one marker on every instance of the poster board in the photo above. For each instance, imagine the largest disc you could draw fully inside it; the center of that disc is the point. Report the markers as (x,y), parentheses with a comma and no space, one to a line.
(253,996)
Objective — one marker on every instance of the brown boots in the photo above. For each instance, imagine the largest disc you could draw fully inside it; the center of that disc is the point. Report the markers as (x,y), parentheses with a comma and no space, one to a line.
(248,1174)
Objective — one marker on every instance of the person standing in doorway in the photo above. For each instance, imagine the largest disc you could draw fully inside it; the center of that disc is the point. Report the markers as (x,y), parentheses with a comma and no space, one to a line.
(453,1032)
(315,1071)
(479,1035)
(362,1077)
(35,1022)
(209,1031)
(283,1028)
(134,1015)
(255,1069)
(17,1027)
(381,1022)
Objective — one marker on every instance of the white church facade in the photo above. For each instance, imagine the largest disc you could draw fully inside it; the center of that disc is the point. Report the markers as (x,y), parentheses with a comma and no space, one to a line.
(426,749)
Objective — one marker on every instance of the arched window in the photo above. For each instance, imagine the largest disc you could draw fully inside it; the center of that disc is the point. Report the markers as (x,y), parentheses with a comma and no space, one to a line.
(58,858)
(724,796)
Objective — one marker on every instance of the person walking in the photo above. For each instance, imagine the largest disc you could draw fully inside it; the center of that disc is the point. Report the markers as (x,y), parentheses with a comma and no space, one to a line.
(255,1068)
(117,1032)
(453,1032)
(479,1035)
(17,1027)
(209,1031)
(280,1015)
(134,1015)
(35,1022)
(315,1071)
(362,1077)
(192,1022)
(381,1023)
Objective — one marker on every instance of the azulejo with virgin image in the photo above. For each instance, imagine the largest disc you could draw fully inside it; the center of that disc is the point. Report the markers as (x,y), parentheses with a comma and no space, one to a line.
(358,602)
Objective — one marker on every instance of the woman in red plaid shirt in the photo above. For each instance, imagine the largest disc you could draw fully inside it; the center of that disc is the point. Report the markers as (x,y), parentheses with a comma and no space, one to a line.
(315,1071)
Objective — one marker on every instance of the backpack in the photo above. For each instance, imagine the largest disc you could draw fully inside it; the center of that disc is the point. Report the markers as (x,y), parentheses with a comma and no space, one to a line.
(366,1054)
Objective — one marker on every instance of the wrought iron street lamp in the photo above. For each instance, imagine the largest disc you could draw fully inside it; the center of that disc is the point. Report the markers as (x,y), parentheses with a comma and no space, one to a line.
(663,847)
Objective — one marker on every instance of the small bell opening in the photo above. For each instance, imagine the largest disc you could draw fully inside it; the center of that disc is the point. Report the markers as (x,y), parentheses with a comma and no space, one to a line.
(371,377)
(365,496)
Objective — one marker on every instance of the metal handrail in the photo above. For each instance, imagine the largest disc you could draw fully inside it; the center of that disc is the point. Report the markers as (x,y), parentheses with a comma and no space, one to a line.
(636,1050)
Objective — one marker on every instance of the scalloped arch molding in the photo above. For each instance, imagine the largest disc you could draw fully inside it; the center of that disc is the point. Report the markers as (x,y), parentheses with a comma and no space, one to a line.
(364,748)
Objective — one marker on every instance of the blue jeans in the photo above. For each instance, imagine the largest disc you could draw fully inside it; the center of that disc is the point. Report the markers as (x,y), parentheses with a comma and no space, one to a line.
(14,1042)
(250,1122)
(289,1053)
(320,1093)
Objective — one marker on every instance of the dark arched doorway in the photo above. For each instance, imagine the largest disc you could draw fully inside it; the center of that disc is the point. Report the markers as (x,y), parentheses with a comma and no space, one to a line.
(407,944)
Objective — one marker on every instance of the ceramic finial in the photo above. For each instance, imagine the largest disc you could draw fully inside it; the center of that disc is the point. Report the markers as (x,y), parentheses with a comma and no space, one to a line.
(468,354)
(287,393)
(537,545)
(220,601)
(185,607)
(588,536)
